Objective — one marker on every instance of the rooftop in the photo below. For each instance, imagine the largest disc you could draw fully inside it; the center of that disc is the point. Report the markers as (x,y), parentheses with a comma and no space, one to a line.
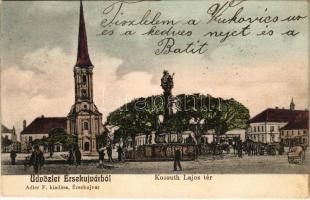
(278,115)
(301,122)
(5,129)
(43,124)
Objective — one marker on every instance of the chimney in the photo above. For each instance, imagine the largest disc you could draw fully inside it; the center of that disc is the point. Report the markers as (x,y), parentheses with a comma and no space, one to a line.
(24,124)
(277,107)
(42,116)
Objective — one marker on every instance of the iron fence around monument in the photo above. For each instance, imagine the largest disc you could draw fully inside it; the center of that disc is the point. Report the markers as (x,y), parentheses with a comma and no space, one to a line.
(162,152)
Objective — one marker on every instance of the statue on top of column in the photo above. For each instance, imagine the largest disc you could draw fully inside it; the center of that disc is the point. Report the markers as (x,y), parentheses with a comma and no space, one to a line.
(167,82)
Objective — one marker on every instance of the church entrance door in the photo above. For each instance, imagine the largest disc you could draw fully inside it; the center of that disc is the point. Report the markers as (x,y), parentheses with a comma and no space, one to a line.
(86,146)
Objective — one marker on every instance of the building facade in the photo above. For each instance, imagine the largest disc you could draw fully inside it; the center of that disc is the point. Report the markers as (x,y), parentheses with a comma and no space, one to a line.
(39,129)
(84,119)
(266,126)
(296,132)
(265,132)
(231,135)
(7,133)
(9,139)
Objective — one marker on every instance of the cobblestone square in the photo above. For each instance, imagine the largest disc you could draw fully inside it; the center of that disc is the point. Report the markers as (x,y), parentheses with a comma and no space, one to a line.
(228,164)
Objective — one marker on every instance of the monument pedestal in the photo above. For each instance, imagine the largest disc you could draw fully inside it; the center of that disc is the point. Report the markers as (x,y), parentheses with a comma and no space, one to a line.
(162,152)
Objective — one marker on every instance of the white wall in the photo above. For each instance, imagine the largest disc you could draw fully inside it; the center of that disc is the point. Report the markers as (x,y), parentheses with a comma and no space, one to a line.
(8,135)
(25,139)
(265,132)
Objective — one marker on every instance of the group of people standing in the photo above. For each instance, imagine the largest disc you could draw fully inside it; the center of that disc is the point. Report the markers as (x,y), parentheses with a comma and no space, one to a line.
(238,148)
(75,156)
(36,159)
(109,150)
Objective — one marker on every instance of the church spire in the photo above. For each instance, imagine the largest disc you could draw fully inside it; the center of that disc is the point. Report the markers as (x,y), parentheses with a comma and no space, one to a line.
(292,105)
(83,59)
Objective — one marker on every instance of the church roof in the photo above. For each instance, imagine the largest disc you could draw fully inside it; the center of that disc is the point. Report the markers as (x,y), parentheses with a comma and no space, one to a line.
(277,115)
(5,129)
(83,59)
(44,124)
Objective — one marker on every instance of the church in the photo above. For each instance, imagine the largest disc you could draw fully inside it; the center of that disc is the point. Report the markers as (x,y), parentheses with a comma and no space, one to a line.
(84,119)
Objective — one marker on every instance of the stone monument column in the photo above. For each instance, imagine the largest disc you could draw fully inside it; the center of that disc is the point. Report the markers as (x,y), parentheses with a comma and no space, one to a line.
(167,85)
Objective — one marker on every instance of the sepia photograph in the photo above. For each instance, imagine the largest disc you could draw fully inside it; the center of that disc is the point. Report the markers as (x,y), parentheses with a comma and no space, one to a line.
(175,90)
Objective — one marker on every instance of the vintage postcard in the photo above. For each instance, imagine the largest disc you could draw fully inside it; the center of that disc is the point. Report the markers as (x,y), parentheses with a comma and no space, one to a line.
(187,99)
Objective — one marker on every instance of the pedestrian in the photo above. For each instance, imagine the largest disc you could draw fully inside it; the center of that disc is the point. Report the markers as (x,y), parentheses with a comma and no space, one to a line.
(109,151)
(71,157)
(101,158)
(37,159)
(124,153)
(213,144)
(51,149)
(256,149)
(281,148)
(239,148)
(177,160)
(13,156)
(234,147)
(119,153)
(77,155)
(27,162)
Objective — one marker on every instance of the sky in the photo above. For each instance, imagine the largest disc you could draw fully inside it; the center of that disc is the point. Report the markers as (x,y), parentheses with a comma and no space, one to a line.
(39,47)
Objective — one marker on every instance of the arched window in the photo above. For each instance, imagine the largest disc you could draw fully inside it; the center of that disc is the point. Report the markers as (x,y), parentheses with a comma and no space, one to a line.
(85,125)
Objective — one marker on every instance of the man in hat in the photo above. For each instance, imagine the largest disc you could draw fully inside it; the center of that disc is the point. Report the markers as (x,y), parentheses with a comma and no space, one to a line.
(37,159)
(109,151)
(119,153)
(13,157)
(101,157)
(177,159)
(77,155)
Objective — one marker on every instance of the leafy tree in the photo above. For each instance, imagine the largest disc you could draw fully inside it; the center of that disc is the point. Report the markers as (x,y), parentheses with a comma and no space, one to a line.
(102,139)
(139,115)
(72,140)
(195,112)
(5,141)
(231,115)
(56,135)
(41,142)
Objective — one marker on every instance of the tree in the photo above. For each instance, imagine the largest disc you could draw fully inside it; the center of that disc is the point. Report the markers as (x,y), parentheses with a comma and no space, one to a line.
(205,111)
(102,140)
(57,135)
(72,140)
(5,141)
(41,142)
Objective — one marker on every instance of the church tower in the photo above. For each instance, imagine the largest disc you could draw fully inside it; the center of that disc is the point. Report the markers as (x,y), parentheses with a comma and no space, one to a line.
(84,119)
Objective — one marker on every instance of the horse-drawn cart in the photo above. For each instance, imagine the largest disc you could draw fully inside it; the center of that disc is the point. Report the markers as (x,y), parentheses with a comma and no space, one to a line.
(296,155)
